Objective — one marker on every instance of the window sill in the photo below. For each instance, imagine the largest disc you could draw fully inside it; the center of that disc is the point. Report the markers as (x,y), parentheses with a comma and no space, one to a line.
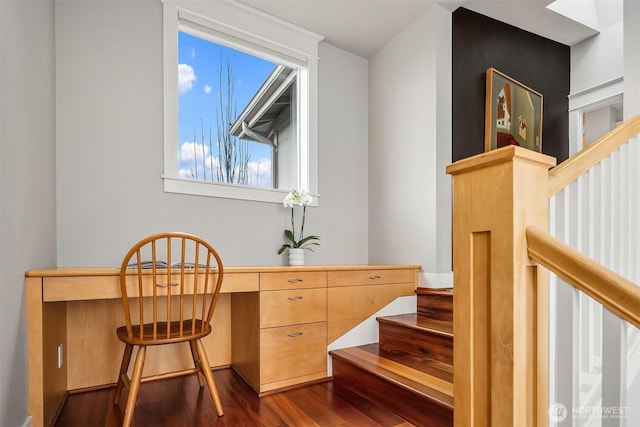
(226,191)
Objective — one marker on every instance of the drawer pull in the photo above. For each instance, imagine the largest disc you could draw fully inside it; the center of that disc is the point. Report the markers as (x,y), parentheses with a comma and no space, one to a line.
(296,298)
(160,285)
(296,334)
(374,277)
(295,280)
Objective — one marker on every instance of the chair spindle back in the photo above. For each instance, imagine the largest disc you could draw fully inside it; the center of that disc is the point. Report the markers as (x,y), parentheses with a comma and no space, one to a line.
(176,279)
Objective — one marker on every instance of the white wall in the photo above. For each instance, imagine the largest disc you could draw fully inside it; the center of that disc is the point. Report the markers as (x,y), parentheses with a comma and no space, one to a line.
(598,122)
(27,182)
(409,147)
(343,143)
(597,60)
(109,150)
(631,58)
(631,108)
(597,70)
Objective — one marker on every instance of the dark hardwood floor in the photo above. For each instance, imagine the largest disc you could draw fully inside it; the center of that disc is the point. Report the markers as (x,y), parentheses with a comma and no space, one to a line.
(181,402)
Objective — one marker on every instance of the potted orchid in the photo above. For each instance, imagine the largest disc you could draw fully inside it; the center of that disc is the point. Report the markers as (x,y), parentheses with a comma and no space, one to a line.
(297,246)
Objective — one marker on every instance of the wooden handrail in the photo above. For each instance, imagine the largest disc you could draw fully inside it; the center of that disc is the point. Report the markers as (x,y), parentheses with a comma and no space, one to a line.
(614,292)
(569,170)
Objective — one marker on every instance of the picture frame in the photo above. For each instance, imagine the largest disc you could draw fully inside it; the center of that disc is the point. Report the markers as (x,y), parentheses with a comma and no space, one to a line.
(513,113)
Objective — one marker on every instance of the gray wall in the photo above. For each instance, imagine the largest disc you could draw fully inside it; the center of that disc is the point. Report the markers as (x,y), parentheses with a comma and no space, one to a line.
(109,141)
(410,146)
(598,75)
(598,59)
(27,182)
(631,59)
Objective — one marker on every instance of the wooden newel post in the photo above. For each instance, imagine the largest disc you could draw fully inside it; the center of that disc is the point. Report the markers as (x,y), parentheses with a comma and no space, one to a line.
(500,297)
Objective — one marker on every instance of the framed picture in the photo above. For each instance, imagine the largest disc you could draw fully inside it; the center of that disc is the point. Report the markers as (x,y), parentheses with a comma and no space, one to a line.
(513,113)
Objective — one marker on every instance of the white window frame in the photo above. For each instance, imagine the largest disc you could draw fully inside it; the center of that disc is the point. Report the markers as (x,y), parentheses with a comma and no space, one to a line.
(254,30)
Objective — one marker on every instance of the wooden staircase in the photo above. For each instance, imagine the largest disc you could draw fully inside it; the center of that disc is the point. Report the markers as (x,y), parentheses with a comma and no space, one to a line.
(410,370)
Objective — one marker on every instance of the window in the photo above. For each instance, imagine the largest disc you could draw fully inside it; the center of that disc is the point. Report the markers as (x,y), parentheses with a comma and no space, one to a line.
(240,103)
(218,143)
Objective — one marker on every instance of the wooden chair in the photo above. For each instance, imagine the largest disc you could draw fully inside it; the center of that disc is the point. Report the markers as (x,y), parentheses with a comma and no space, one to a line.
(179,277)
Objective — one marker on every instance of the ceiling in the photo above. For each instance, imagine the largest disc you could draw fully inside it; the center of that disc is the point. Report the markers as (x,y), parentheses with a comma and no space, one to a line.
(364,26)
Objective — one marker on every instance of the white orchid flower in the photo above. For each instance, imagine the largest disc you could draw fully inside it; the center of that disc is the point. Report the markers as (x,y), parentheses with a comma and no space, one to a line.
(299,198)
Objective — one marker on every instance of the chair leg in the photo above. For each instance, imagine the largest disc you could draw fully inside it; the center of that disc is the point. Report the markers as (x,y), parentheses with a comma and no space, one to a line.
(135,386)
(206,370)
(196,362)
(124,366)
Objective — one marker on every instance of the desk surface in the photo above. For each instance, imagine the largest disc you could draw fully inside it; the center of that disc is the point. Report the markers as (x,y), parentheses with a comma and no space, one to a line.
(114,271)
(81,284)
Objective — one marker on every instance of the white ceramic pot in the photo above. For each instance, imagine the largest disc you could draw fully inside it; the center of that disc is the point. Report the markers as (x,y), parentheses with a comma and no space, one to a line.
(296,256)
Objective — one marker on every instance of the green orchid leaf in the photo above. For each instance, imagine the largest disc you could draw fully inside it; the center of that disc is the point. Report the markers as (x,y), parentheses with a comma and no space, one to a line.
(307,239)
(283,248)
(308,245)
(289,235)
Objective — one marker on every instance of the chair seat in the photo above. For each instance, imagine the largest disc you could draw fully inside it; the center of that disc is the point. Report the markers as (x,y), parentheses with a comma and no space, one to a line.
(161,335)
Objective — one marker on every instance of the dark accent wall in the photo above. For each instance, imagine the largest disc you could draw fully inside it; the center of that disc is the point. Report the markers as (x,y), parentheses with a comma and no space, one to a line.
(480,42)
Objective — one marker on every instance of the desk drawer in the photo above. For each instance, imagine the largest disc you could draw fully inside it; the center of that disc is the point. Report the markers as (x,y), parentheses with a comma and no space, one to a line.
(370,277)
(293,280)
(292,306)
(97,287)
(293,351)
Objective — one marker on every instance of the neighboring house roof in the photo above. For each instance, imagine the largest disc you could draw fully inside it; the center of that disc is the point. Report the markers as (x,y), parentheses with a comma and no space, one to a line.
(258,119)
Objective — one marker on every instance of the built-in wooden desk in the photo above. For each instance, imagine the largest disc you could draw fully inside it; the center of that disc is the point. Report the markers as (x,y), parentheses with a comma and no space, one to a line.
(77,310)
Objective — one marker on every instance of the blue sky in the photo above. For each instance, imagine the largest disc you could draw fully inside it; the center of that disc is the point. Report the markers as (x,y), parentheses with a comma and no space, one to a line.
(199,63)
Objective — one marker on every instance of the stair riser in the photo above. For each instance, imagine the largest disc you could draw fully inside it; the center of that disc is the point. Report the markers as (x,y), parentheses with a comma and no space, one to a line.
(399,338)
(436,306)
(413,408)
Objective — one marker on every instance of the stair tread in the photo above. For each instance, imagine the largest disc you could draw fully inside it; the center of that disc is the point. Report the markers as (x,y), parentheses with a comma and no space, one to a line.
(422,363)
(435,291)
(420,321)
(432,380)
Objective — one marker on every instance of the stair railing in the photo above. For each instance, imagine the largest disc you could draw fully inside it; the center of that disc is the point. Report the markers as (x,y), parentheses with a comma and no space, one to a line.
(617,294)
(578,164)
(501,298)
(594,202)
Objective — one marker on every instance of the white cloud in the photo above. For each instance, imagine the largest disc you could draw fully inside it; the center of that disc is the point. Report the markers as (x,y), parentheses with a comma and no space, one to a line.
(259,170)
(186,77)
(207,89)
(260,173)
(185,173)
(196,169)
(191,150)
